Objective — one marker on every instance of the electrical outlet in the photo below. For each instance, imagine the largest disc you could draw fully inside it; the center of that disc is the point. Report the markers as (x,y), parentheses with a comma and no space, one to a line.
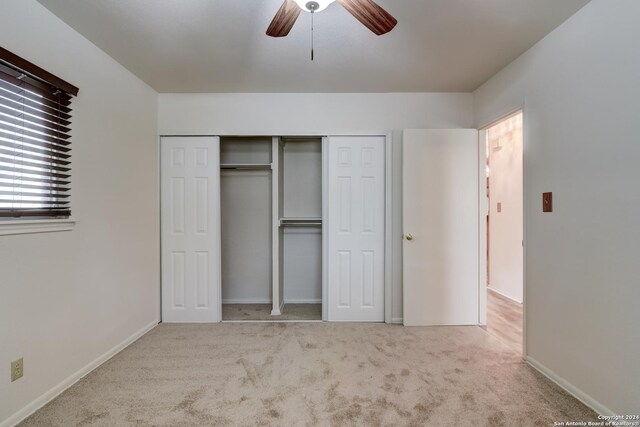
(17,369)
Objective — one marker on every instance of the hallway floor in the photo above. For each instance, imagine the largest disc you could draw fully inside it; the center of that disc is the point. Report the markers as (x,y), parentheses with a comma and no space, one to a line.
(504,320)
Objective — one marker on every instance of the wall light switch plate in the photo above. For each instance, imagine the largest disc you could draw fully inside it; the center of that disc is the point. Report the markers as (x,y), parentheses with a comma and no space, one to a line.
(547,202)
(499,207)
(17,369)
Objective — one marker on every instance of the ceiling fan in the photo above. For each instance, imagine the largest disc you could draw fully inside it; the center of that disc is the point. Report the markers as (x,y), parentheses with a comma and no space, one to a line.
(367,12)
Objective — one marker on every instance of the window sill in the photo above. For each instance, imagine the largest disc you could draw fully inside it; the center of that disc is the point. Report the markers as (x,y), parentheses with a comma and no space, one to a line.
(20,226)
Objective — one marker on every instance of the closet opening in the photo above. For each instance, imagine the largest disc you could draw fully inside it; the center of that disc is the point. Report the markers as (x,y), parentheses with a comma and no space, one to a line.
(271,228)
(245,225)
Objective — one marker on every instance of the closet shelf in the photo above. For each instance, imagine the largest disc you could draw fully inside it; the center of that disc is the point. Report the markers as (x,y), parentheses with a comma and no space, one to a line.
(246,166)
(300,222)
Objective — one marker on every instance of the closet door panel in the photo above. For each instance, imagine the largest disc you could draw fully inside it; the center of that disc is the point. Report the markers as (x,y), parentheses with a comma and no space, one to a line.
(356,191)
(189,232)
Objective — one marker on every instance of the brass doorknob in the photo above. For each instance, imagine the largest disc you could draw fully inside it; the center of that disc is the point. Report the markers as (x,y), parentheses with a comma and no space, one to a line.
(408,236)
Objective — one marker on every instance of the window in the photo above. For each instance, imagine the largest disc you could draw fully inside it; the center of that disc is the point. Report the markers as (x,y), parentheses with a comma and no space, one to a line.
(35,145)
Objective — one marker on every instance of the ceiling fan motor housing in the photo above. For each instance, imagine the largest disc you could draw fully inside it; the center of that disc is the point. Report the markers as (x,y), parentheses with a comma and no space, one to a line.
(312,6)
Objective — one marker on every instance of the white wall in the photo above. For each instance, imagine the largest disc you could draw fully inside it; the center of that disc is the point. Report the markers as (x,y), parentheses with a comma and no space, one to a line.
(321,114)
(506,226)
(580,87)
(68,297)
(302,273)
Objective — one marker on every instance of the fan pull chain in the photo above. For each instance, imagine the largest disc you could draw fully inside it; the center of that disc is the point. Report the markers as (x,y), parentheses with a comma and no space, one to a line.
(312,34)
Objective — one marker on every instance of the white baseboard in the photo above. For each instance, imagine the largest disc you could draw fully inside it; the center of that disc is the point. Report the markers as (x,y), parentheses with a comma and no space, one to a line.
(303,301)
(397,320)
(72,379)
(247,301)
(569,388)
(504,295)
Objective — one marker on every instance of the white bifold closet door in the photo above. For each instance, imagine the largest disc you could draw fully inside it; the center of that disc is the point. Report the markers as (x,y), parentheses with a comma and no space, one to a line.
(355,198)
(190,195)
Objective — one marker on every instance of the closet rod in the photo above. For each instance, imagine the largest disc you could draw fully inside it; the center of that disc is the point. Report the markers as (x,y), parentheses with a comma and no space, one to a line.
(246,166)
(300,222)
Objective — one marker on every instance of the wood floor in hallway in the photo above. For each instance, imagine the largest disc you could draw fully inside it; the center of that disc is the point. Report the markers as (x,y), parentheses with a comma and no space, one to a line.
(504,320)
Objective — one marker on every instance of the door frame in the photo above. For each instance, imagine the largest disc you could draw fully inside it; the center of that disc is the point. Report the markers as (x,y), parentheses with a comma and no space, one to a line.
(483,211)
(388,222)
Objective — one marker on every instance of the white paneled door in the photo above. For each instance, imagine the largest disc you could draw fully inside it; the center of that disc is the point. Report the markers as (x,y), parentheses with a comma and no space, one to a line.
(190,195)
(440,221)
(355,197)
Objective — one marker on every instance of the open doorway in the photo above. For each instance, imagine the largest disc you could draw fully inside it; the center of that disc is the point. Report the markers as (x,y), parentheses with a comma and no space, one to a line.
(505,229)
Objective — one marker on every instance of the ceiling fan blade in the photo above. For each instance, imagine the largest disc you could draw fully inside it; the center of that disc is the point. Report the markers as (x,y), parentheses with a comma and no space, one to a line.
(371,15)
(284,19)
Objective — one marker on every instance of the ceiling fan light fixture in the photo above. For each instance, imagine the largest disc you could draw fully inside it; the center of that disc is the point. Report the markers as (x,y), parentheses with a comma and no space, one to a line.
(313,5)
(368,12)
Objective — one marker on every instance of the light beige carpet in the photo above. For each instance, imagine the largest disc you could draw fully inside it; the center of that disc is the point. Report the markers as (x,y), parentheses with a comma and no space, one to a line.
(263,312)
(312,374)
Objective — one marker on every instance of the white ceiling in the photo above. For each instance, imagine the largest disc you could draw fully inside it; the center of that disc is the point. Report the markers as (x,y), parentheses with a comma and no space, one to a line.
(221,46)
